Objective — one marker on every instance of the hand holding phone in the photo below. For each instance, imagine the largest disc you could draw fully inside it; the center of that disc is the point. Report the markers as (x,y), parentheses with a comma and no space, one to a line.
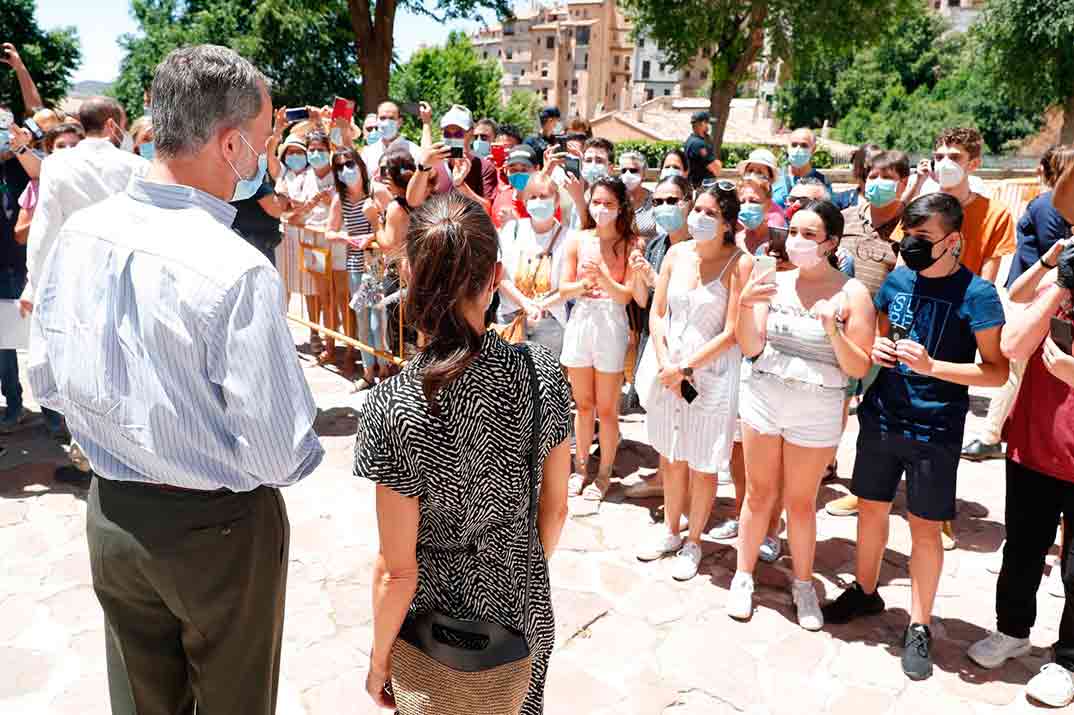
(765,264)
(297,114)
(688,391)
(343,109)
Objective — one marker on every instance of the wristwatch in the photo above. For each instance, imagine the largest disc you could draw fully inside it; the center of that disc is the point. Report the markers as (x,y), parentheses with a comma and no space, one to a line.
(1046,264)
(423,168)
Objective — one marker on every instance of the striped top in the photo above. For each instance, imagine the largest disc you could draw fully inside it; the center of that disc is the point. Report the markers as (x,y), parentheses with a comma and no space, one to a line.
(797,348)
(169,368)
(643,218)
(357,224)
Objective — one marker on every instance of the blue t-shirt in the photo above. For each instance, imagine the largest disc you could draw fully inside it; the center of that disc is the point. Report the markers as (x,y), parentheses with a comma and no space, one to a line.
(845,199)
(943,315)
(1038,230)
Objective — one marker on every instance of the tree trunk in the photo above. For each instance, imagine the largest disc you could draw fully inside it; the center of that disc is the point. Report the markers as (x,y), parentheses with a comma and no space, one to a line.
(723,91)
(1066,135)
(720,97)
(373,35)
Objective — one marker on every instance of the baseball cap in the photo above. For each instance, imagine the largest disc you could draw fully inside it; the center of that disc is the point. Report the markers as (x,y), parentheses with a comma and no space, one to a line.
(700,117)
(521,154)
(458,116)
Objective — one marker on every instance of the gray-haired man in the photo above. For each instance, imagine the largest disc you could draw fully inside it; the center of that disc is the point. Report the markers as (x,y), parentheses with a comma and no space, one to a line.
(156,333)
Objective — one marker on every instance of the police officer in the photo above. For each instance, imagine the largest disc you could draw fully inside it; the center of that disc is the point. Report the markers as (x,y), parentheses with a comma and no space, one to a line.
(700,156)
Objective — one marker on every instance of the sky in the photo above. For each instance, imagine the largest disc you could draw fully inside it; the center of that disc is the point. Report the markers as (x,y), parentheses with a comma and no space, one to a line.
(101,22)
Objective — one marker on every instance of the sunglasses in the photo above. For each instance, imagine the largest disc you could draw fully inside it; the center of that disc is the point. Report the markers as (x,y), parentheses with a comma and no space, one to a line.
(625,170)
(348,164)
(724,185)
(669,201)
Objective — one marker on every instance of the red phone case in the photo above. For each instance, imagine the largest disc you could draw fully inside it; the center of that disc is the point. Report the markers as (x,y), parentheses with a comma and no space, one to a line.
(343,109)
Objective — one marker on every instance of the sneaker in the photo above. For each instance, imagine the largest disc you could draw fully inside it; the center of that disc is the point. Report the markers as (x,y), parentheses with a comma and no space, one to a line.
(995,561)
(947,536)
(978,451)
(1054,584)
(726,531)
(740,597)
(11,421)
(770,550)
(686,562)
(843,506)
(916,658)
(996,649)
(662,544)
(1052,686)
(805,600)
(851,604)
(71,474)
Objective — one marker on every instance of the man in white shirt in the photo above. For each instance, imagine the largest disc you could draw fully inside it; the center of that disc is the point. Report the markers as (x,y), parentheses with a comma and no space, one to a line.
(388,124)
(100,166)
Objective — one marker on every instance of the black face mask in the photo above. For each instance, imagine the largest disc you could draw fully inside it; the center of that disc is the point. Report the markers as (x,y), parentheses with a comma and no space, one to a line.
(916,253)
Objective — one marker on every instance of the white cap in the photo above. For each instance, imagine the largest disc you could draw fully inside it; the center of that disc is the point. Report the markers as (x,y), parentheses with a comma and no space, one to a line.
(458,116)
(763,157)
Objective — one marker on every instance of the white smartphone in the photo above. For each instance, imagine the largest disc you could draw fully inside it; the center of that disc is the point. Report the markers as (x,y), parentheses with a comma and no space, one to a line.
(763,264)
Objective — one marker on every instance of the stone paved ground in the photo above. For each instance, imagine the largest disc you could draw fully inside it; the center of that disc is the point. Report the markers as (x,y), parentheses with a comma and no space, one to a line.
(631,641)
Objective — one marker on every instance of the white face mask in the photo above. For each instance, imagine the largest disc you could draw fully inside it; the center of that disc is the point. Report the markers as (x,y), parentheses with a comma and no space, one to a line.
(702,226)
(949,173)
(630,180)
(803,252)
(126,142)
(601,214)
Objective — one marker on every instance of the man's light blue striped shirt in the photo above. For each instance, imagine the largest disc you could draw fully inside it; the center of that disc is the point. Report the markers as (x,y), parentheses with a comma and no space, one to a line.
(157,333)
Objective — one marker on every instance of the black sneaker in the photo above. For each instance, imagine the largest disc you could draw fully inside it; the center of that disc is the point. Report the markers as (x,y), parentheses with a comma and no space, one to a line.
(71,474)
(978,451)
(916,660)
(852,603)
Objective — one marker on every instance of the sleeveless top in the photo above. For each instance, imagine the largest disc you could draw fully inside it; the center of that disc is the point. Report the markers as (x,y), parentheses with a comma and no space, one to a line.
(797,348)
(356,224)
(589,250)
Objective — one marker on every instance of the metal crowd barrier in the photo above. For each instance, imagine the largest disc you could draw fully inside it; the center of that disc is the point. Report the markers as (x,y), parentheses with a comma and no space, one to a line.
(302,255)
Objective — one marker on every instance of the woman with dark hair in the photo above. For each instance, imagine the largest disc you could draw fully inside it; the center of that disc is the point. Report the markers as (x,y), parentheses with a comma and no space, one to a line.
(860,162)
(318,189)
(692,410)
(807,330)
(673,164)
(364,274)
(596,272)
(448,443)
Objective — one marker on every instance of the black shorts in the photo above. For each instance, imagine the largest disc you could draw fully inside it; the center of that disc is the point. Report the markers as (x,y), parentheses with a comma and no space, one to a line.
(931,472)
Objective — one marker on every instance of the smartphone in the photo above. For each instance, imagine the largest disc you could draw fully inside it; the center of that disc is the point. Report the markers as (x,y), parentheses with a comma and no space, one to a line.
(573,165)
(456,152)
(561,142)
(343,109)
(689,392)
(499,155)
(35,130)
(410,108)
(297,114)
(1063,334)
(763,264)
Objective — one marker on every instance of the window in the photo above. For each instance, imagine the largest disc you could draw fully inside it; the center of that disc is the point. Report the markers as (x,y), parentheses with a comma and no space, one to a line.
(510,54)
(486,54)
(574,86)
(581,35)
(564,84)
(544,73)
(585,60)
(523,73)
(667,92)
(550,43)
(641,42)
(544,94)
(509,29)
(626,62)
(617,60)
(645,69)
(648,95)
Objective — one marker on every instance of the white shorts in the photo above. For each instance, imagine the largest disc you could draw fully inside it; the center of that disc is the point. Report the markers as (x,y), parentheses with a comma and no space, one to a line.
(803,415)
(597,336)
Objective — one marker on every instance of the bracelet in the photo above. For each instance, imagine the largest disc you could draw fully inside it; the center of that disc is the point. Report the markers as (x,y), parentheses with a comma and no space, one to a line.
(1047,265)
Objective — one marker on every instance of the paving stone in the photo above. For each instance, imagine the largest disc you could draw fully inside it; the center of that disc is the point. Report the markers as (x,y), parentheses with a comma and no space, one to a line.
(856,700)
(25,671)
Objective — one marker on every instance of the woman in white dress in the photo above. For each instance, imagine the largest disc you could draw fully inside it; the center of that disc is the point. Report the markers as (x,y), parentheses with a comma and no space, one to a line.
(691,412)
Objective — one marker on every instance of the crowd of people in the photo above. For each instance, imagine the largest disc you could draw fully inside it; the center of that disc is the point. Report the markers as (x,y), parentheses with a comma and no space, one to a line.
(747,312)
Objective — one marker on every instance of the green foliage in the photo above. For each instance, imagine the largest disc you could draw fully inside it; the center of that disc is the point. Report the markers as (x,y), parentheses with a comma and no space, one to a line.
(730,154)
(455,74)
(304,46)
(50,57)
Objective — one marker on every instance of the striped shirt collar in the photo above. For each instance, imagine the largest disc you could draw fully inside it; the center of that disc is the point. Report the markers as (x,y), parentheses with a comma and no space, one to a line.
(178,196)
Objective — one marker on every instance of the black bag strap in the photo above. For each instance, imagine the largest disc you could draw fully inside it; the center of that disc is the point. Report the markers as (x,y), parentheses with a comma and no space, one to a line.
(534,479)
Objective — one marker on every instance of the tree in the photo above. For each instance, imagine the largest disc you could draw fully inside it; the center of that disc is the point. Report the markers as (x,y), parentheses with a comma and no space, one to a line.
(1028,47)
(50,57)
(373,24)
(732,35)
(455,74)
(303,46)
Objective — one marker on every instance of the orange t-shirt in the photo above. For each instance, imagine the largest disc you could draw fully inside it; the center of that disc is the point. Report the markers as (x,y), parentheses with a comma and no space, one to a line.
(988,232)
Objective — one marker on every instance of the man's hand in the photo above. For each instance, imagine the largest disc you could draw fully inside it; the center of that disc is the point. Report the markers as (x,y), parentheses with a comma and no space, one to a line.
(9,55)
(25,307)
(884,352)
(914,356)
(425,113)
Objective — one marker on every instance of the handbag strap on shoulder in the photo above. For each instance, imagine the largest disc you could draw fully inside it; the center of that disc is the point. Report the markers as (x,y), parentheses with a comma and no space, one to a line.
(535,481)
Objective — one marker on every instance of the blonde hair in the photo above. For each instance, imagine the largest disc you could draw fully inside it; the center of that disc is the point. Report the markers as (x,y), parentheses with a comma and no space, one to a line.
(140,126)
(46,119)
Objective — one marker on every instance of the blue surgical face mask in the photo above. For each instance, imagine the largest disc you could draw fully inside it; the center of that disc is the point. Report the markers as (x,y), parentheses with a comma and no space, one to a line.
(519,181)
(247,187)
(751,215)
(348,175)
(881,192)
(799,156)
(5,139)
(318,159)
(388,129)
(669,171)
(372,137)
(541,209)
(295,162)
(336,135)
(669,218)
(148,151)
(481,147)
(592,172)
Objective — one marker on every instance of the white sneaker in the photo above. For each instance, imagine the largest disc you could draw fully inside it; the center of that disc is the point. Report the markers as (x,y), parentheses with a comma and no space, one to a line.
(770,550)
(1054,583)
(740,597)
(995,561)
(686,562)
(805,599)
(661,544)
(994,650)
(1052,686)
(725,531)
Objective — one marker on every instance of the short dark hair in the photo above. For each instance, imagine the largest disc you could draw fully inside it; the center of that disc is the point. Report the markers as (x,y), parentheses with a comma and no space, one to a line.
(548,113)
(400,165)
(602,144)
(677,152)
(59,130)
(681,182)
(946,206)
(509,130)
(966,137)
(96,111)
(897,161)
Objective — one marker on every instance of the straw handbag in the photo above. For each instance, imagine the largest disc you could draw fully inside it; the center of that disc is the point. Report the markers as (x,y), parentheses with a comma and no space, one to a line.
(447,666)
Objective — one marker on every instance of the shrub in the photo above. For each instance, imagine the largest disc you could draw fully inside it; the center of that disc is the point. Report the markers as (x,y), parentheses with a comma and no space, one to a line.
(730,154)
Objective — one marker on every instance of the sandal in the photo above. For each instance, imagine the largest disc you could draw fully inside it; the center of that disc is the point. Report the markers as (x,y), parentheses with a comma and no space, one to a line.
(575,484)
(599,488)
(316,344)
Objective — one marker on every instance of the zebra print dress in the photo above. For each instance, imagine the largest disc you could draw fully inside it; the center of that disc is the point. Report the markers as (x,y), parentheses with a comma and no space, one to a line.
(469,470)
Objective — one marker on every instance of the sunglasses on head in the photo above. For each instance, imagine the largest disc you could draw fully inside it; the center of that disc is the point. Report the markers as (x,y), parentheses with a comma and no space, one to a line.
(669,201)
